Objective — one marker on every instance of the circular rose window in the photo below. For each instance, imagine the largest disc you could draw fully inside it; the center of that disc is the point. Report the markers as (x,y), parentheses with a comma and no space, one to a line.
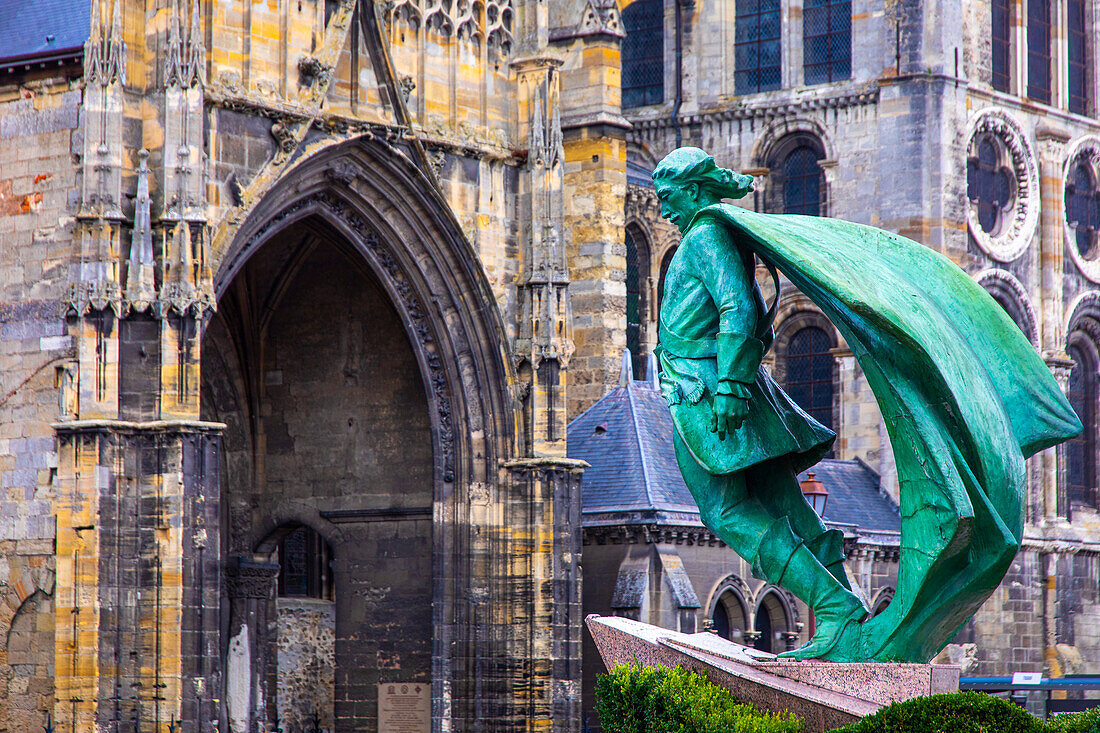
(1082,206)
(1002,185)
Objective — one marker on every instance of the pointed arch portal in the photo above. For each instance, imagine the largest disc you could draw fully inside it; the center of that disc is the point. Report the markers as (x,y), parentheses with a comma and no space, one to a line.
(359,363)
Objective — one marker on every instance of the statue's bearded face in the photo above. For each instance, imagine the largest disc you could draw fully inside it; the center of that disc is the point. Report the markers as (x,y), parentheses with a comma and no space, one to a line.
(679,202)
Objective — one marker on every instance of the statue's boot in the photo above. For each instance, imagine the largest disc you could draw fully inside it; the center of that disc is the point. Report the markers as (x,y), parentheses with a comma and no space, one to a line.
(828,548)
(784,560)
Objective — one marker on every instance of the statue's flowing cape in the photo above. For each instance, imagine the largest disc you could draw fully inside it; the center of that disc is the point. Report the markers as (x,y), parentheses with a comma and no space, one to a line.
(964,395)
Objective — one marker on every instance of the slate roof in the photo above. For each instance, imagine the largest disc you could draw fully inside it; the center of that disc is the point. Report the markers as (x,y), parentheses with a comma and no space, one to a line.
(626,438)
(635,173)
(42,28)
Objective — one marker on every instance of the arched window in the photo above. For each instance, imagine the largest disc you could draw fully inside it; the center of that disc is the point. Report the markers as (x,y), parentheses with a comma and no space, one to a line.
(810,373)
(802,182)
(643,54)
(1000,47)
(665,262)
(1038,50)
(771,621)
(882,602)
(989,184)
(305,565)
(826,40)
(1078,57)
(637,270)
(729,618)
(1081,451)
(1083,208)
(756,64)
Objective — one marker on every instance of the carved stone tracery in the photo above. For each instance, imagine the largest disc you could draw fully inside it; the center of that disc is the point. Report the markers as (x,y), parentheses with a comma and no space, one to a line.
(1009,241)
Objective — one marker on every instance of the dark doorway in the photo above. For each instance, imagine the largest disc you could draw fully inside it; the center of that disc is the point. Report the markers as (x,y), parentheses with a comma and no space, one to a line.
(309,364)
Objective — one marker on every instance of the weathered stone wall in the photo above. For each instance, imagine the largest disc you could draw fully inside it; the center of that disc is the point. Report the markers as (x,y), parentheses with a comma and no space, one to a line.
(306,663)
(39,129)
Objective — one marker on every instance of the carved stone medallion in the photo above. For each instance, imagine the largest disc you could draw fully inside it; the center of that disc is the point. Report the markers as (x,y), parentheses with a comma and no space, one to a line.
(1005,236)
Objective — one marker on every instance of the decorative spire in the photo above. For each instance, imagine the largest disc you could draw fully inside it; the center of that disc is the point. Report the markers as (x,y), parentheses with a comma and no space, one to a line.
(140,277)
(652,375)
(179,290)
(93,48)
(174,72)
(114,66)
(196,49)
(626,371)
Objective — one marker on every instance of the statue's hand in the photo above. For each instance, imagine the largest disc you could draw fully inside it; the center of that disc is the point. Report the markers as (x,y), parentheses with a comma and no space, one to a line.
(729,413)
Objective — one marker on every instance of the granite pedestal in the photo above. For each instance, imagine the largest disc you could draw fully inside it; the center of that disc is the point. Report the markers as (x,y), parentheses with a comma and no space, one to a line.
(826,695)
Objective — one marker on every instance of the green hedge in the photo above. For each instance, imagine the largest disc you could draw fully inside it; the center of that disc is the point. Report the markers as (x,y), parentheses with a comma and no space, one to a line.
(673,700)
(1086,722)
(968,712)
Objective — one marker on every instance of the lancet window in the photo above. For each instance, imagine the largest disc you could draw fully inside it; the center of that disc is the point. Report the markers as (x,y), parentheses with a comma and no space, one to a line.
(810,373)
(1038,50)
(1081,450)
(1000,45)
(305,565)
(1077,57)
(826,40)
(643,54)
(637,271)
(756,46)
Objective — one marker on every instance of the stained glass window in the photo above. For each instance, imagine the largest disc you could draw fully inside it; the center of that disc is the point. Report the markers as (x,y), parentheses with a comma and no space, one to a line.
(1077,57)
(827,40)
(756,46)
(1083,208)
(810,373)
(305,565)
(989,186)
(1000,47)
(1081,450)
(1038,50)
(643,54)
(802,182)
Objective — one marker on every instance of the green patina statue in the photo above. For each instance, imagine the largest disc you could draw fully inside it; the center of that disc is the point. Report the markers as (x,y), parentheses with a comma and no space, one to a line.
(964,396)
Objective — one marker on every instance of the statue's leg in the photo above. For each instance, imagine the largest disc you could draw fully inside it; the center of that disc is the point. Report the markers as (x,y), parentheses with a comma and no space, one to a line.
(783,559)
(725,505)
(776,486)
(773,549)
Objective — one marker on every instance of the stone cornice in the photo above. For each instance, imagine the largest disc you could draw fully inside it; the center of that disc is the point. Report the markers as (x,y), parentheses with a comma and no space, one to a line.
(129,426)
(768,107)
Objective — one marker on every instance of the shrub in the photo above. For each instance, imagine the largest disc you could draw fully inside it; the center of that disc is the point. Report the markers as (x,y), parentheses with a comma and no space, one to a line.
(1086,722)
(960,712)
(640,699)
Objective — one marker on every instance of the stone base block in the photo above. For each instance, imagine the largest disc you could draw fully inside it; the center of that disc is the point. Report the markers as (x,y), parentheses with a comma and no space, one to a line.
(826,695)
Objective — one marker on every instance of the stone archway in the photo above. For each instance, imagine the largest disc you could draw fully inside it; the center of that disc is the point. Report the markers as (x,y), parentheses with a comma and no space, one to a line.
(357,218)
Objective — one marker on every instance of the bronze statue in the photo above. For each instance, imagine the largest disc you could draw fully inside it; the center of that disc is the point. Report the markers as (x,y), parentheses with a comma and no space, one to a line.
(964,396)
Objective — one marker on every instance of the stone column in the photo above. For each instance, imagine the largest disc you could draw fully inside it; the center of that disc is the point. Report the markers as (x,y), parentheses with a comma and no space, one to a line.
(1051,500)
(250,587)
(138,574)
(543,519)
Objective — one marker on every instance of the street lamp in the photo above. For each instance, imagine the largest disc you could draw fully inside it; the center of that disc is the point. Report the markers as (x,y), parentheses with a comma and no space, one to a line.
(815,492)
